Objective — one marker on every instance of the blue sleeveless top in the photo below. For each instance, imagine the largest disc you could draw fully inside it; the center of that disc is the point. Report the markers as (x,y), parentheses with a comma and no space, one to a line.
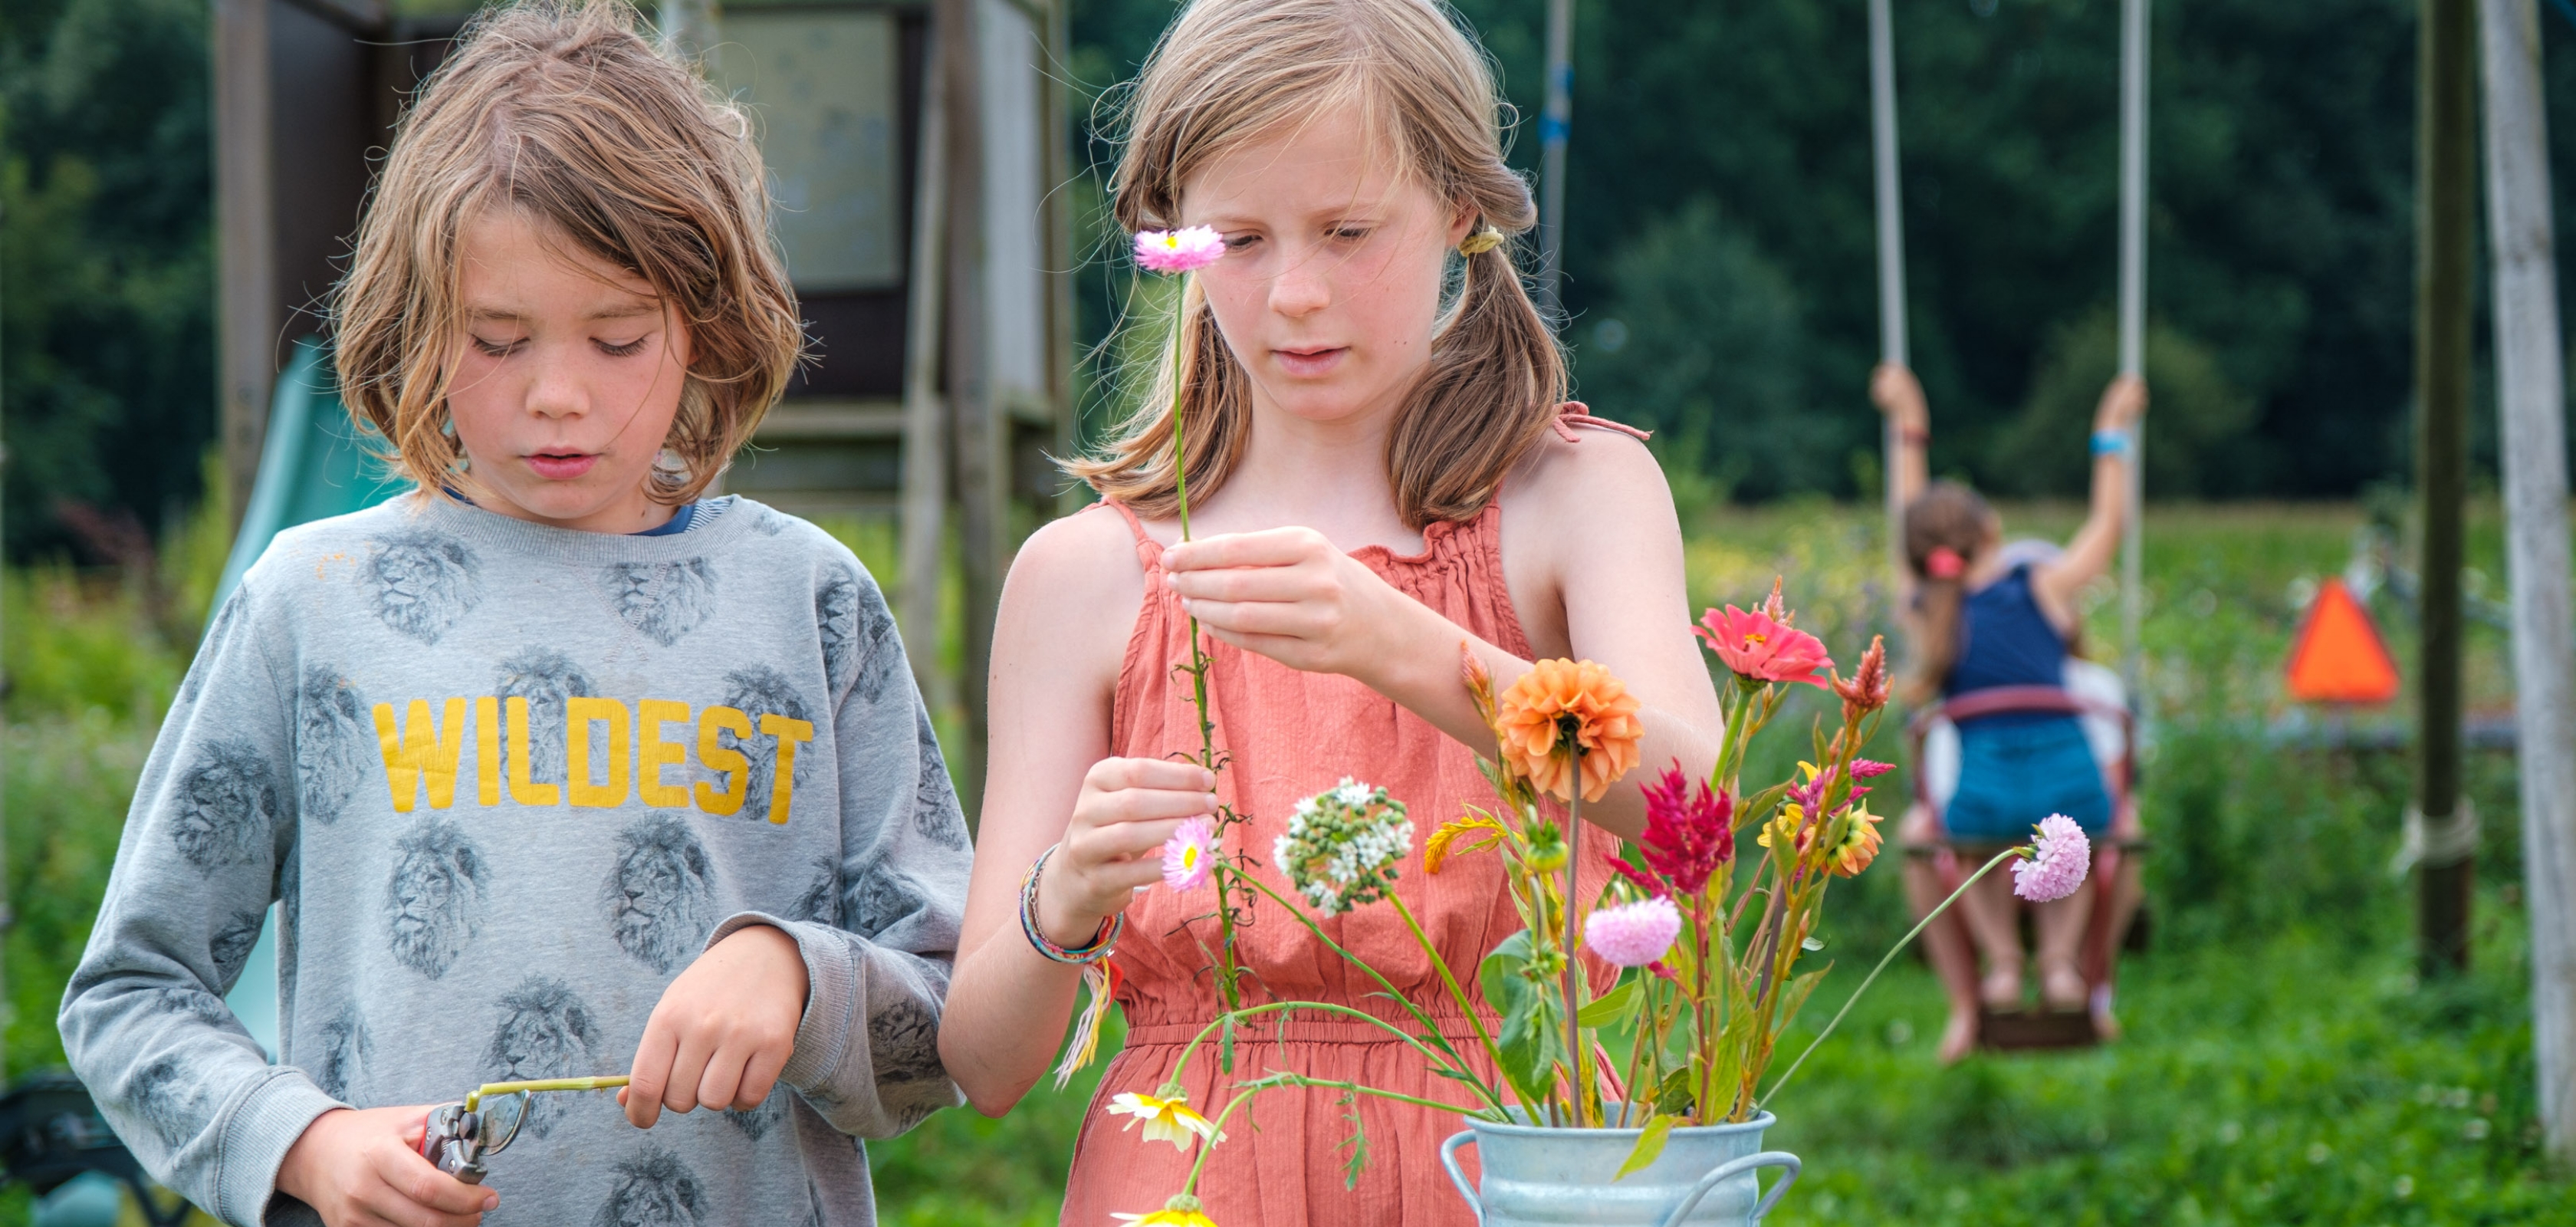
(2004,640)
(2016,768)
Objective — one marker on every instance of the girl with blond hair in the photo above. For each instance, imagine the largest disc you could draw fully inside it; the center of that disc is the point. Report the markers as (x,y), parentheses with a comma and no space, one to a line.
(1382,468)
(556,766)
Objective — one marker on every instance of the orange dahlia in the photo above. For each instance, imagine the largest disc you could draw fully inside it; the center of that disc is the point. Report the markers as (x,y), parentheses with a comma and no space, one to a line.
(1558,707)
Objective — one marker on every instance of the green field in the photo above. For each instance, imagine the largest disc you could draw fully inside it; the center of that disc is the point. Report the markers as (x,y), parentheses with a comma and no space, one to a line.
(2283,1064)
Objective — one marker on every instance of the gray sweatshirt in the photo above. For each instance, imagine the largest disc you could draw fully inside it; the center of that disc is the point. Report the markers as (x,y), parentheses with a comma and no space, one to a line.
(506,781)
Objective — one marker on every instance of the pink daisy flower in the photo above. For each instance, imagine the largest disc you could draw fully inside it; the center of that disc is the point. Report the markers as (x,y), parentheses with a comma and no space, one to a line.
(1633,934)
(1179,251)
(2058,860)
(1189,855)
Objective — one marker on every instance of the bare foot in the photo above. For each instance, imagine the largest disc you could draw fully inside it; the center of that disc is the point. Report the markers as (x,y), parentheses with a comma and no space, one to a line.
(1958,1037)
(2064,990)
(2001,989)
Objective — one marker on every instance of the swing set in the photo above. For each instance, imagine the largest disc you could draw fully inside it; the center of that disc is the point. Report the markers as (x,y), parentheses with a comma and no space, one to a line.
(2103,701)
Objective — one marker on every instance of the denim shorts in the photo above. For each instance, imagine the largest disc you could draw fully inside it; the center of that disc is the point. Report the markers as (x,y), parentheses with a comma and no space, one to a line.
(2014,772)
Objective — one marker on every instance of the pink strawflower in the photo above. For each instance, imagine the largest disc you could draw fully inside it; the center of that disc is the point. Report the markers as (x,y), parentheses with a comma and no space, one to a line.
(2059,858)
(1633,934)
(1189,855)
(1763,648)
(1689,833)
(1179,251)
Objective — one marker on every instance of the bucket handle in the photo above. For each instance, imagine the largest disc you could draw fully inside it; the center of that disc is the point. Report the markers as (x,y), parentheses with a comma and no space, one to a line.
(1449,1159)
(1731,1168)
(1737,1167)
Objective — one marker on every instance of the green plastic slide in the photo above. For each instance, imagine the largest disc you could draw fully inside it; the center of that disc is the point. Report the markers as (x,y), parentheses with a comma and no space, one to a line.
(315,464)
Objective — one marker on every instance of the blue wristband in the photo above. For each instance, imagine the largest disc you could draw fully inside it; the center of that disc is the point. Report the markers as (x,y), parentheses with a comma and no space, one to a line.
(2110,443)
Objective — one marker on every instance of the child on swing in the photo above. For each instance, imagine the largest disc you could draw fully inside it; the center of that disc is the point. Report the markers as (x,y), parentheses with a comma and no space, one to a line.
(556,767)
(1382,468)
(1980,616)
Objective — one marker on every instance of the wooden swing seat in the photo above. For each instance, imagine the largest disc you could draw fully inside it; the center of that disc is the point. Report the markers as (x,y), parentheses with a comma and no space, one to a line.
(2112,731)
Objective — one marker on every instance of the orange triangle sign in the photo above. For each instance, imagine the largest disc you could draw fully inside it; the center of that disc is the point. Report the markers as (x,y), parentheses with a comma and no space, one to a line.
(2338,657)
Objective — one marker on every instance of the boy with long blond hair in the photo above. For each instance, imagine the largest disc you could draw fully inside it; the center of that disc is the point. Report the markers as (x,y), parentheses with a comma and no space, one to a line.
(557,766)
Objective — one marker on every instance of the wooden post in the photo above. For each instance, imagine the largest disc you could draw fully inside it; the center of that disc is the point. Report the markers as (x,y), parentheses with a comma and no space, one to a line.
(1891,255)
(2446,196)
(246,243)
(689,27)
(980,434)
(2133,336)
(925,418)
(2531,391)
(1555,123)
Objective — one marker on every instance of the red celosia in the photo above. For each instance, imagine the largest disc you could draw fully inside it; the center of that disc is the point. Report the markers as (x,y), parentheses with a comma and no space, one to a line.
(1866,769)
(1689,833)
(1866,690)
(1764,648)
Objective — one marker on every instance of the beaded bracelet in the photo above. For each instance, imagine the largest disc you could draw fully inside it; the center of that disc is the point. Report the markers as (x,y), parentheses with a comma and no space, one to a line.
(1102,941)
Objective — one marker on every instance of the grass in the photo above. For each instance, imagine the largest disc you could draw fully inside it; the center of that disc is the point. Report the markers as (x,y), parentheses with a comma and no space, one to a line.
(2283,1065)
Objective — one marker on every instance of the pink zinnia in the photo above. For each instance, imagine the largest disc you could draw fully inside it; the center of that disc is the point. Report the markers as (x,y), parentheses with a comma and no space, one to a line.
(2059,858)
(1763,648)
(1689,833)
(1179,251)
(1633,934)
(1189,855)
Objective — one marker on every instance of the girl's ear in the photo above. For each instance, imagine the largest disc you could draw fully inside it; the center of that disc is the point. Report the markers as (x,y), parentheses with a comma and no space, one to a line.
(1462,222)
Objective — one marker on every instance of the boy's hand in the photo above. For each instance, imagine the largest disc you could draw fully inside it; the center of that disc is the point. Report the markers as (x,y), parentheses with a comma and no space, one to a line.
(2123,402)
(362,1168)
(723,1030)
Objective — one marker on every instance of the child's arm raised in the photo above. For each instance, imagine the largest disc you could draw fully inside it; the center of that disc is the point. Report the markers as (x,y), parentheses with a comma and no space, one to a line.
(2090,552)
(143,1020)
(1593,552)
(845,1013)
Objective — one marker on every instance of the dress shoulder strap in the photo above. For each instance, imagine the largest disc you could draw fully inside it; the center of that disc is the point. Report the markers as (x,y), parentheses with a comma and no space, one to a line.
(1575,413)
(1148,551)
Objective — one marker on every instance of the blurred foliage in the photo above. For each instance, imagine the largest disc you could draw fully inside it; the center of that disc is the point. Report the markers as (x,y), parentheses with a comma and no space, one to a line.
(107,338)
(1720,254)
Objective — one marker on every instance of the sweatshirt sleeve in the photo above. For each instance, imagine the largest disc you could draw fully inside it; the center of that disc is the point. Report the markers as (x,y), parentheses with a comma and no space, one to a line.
(143,1020)
(867,1053)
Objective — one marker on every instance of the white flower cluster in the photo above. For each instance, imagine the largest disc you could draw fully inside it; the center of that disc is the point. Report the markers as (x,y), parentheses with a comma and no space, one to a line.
(1342,846)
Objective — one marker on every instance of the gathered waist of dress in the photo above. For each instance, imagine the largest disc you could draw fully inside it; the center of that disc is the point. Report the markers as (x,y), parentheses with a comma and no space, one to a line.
(1304,1027)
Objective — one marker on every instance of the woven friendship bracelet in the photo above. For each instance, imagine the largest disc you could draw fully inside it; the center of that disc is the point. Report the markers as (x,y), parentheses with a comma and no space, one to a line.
(1102,942)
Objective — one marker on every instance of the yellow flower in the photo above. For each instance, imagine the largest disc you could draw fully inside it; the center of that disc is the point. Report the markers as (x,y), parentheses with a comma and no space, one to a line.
(1785,825)
(1167,1118)
(1182,1211)
(1436,852)
(1858,845)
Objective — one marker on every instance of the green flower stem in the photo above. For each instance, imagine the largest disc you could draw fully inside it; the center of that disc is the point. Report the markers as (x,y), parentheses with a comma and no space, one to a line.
(1433,1035)
(1456,993)
(1901,943)
(1287,1079)
(1277,1007)
(1730,755)
(1577,1075)
(1207,1146)
(1227,988)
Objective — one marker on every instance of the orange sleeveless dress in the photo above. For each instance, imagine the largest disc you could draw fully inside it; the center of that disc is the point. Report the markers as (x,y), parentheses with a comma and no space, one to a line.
(1291,734)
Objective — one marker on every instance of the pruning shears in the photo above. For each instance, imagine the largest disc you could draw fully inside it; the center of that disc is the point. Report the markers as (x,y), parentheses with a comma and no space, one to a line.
(459,1135)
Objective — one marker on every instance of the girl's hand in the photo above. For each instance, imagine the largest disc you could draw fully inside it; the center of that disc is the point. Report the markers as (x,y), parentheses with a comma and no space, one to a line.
(2123,403)
(1288,594)
(1899,395)
(1126,810)
(723,1030)
(362,1168)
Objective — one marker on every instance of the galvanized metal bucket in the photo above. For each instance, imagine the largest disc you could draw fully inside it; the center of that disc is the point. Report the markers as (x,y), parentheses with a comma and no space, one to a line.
(1705,1177)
